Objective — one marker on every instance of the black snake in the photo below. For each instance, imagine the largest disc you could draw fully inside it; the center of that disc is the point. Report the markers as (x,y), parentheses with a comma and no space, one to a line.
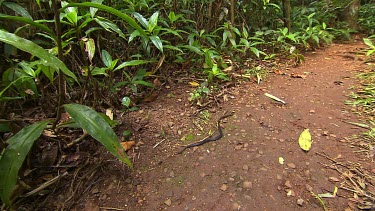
(218,134)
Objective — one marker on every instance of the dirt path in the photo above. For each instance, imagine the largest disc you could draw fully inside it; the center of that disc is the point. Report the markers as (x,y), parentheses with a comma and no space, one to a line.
(242,171)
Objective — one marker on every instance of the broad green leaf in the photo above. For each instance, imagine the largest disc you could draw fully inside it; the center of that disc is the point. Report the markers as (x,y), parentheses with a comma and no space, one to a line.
(132,63)
(368,42)
(98,128)
(157,42)
(18,9)
(125,101)
(141,19)
(111,10)
(304,140)
(193,49)
(106,58)
(71,13)
(172,17)
(14,156)
(109,26)
(36,50)
(255,51)
(94,10)
(26,67)
(144,83)
(153,22)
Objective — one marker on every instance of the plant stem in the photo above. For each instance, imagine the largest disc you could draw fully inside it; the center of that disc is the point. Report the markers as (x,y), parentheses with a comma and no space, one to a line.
(61,81)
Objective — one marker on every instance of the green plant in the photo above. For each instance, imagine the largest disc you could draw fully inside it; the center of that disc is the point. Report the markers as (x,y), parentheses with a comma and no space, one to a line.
(366,19)
(20,144)
(370,44)
(199,94)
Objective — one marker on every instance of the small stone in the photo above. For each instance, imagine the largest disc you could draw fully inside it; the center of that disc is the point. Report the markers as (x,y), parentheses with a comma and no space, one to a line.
(95,191)
(279,177)
(247,184)
(171,174)
(308,187)
(300,202)
(231,179)
(236,206)
(292,165)
(238,147)
(170,124)
(200,158)
(290,192)
(288,184)
(246,145)
(224,187)
(168,202)
(245,167)
(260,152)
(281,140)
(333,135)
(312,111)
(202,174)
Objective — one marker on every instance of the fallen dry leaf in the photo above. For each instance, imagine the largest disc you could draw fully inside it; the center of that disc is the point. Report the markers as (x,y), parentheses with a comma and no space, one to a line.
(127,145)
(150,98)
(293,75)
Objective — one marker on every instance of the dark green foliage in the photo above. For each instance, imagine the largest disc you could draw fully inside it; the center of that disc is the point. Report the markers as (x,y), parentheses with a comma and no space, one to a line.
(367,18)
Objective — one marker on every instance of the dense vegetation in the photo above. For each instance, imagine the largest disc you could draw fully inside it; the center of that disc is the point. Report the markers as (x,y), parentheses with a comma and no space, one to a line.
(66,55)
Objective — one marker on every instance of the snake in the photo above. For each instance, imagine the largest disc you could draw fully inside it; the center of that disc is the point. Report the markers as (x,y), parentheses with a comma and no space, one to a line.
(218,134)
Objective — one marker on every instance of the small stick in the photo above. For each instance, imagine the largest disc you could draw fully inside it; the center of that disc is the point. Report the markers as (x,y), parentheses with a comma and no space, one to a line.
(111,208)
(45,185)
(158,143)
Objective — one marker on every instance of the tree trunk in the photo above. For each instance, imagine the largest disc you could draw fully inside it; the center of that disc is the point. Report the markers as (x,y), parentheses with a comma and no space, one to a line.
(349,14)
(232,5)
(286,11)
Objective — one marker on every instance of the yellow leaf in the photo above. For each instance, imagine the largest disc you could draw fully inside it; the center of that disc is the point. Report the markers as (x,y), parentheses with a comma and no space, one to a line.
(281,160)
(194,84)
(305,140)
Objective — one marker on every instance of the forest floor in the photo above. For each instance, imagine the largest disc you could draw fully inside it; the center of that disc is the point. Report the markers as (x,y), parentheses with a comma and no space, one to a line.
(243,170)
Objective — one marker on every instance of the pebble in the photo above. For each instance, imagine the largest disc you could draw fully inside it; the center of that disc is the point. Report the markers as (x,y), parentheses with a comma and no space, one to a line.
(238,147)
(168,202)
(245,167)
(171,174)
(202,174)
(236,206)
(224,187)
(290,192)
(247,184)
(288,184)
(292,165)
(231,179)
(279,177)
(300,202)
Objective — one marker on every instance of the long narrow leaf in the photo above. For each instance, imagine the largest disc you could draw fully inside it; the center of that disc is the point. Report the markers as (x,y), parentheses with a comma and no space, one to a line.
(14,156)
(18,9)
(98,128)
(36,50)
(28,21)
(132,63)
(111,10)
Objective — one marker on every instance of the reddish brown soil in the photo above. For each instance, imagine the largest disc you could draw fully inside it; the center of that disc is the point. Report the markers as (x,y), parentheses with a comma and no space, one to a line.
(241,171)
